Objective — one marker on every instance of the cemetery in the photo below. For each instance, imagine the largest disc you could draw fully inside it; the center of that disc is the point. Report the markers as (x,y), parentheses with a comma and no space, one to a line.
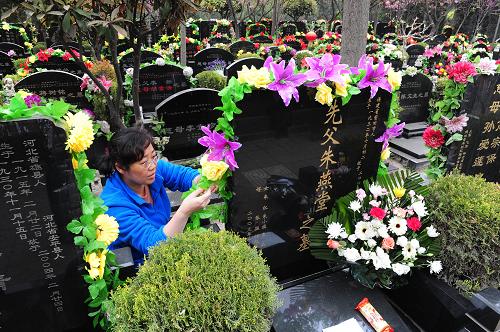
(242,165)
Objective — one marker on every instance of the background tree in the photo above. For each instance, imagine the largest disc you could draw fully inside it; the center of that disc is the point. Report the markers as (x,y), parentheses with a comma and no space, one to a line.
(300,8)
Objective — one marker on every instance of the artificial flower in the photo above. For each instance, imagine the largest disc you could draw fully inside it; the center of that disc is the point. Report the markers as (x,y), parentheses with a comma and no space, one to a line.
(371,243)
(419,208)
(402,241)
(461,71)
(355,206)
(421,250)
(160,62)
(341,89)
(324,94)
(107,229)
(105,83)
(81,131)
(397,225)
(377,212)
(411,71)
(400,212)
(400,269)
(258,78)
(394,78)
(32,100)
(214,170)
(431,231)
(395,131)
(388,243)
(435,267)
(285,81)
(409,251)
(360,194)
(351,254)
(381,260)
(486,66)
(399,192)
(375,78)
(377,190)
(332,244)
(336,230)
(455,124)
(74,162)
(11,53)
(381,229)
(5,26)
(414,224)
(43,55)
(433,138)
(385,154)
(326,68)
(219,147)
(352,238)
(97,263)
(374,203)
(364,230)
(366,254)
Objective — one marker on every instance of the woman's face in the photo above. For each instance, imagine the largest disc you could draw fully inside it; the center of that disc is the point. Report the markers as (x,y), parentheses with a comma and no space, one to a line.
(143,171)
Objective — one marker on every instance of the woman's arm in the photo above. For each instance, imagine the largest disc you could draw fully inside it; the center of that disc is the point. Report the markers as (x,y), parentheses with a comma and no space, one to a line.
(176,177)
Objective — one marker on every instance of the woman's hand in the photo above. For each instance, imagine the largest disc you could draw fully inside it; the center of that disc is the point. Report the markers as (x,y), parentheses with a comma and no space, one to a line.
(195,201)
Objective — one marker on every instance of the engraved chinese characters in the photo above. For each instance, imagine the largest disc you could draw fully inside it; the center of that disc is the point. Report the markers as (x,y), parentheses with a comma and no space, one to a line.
(414,96)
(40,267)
(477,153)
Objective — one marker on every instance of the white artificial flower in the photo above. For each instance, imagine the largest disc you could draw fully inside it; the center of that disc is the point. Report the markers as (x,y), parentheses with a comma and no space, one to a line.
(160,62)
(410,250)
(397,225)
(351,254)
(418,62)
(421,250)
(366,216)
(129,103)
(382,231)
(371,243)
(377,190)
(411,193)
(419,208)
(374,203)
(355,206)
(105,128)
(398,54)
(364,230)
(400,212)
(360,194)
(381,260)
(352,238)
(336,230)
(400,269)
(130,72)
(366,254)
(188,72)
(402,241)
(340,252)
(411,71)
(435,266)
(431,231)
(487,66)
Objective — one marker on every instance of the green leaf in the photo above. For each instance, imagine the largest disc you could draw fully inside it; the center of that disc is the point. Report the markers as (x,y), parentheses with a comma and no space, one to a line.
(80,241)
(74,227)
(456,137)
(66,23)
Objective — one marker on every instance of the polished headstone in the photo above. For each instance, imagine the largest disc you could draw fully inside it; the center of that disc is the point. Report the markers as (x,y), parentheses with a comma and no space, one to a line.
(413,52)
(147,57)
(6,65)
(414,95)
(41,284)
(244,45)
(11,36)
(18,49)
(232,69)
(477,153)
(58,63)
(184,113)
(212,58)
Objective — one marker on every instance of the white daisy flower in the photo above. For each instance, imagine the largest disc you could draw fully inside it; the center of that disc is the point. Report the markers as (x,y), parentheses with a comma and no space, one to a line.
(397,225)
(435,266)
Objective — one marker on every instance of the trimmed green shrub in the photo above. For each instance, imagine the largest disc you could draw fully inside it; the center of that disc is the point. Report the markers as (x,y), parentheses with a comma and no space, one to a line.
(211,80)
(198,281)
(466,210)
(298,8)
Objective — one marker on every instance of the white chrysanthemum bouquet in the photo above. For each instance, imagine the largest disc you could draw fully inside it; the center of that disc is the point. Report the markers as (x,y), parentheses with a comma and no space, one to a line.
(381,231)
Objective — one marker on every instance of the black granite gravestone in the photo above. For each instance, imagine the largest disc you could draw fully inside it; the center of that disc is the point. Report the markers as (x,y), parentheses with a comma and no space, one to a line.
(18,49)
(184,113)
(294,44)
(212,58)
(293,164)
(41,284)
(191,50)
(11,36)
(413,52)
(147,57)
(384,28)
(156,83)
(477,153)
(287,29)
(232,69)
(414,95)
(6,65)
(440,39)
(55,84)
(58,63)
(244,45)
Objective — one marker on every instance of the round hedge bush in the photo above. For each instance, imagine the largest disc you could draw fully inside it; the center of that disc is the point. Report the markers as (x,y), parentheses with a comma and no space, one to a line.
(198,281)
(300,8)
(210,79)
(466,210)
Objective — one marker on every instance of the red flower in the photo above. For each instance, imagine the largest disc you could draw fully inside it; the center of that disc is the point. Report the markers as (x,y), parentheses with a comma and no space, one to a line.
(43,55)
(377,212)
(243,38)
(413,223)
(433,138)
(256,45)
(461,71)
(89,64)
(66,56)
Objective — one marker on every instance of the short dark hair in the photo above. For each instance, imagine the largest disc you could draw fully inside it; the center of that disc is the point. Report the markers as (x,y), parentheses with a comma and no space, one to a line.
(125,148)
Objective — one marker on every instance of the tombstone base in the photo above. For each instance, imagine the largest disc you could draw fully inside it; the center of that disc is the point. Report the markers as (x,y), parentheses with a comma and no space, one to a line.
(414,129)
(402,153)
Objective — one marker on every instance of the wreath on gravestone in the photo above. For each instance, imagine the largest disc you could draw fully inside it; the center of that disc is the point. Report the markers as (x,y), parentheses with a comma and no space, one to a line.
(286,25)
(330,78)
(195,29)
(262,33)
(216,34)
(22,31)
(94,230)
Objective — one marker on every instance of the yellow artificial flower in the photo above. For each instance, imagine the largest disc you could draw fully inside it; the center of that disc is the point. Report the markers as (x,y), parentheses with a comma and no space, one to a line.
(214,170)
(324,94)
(23,93)
(394,79)
(386,153)
(22,72)
(75,163)
(341,89)
(399,192)
(282,48)
(258,78)
(120,36)
(97,263)
(32,59)
(107,229)
(203,159)
(5,26)
(28,44)
(81,131)
(21,30)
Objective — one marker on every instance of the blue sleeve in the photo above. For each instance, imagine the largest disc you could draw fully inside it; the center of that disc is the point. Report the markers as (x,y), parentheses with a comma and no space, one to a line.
(135,230)
(176,177)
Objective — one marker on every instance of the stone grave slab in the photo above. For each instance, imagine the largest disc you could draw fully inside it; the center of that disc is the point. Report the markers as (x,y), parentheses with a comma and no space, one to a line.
(413,52)
(191,50)
(293,164)
(156,83)
(414,129)
(11,36)
(6,65)
(184,113)
(414,95)
(413,146)
(478,152)
(55,84)
(127,61)
(41,284)
(212,58)
(232,69)
(18,49)
(57,63)
(244,45)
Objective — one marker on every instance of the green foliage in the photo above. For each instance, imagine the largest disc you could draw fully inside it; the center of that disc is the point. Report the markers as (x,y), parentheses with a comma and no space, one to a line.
(300,55)
(198,281)
(466,210)
(210,80)
(37,47)
(298,8)
(247,55)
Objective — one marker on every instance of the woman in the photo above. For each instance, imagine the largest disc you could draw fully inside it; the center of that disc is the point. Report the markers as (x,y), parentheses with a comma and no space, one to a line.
(135,192)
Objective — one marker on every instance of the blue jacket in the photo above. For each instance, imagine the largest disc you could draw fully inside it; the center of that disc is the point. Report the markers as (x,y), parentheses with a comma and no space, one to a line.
(141,224)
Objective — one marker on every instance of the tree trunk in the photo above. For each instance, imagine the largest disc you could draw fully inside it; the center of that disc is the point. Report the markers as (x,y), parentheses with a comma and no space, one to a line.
(235,19)
(274,23)
(135,81)
(354,29)
(183,57)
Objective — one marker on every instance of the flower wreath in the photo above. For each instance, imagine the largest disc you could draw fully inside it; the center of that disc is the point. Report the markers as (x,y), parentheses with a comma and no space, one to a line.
(263,33)
(286,25)
(194,27)
(22,31)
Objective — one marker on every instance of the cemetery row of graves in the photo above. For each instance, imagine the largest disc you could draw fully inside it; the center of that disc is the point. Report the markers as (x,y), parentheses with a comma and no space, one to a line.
(387,168)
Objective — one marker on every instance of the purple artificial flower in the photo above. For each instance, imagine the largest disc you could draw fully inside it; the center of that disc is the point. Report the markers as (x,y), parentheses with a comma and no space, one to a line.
(11,53)
(267,63)
(455,124)
(32,100)
(285,81)
(375,79)
(326,68)
(89,113)
(389,133)
(220,148)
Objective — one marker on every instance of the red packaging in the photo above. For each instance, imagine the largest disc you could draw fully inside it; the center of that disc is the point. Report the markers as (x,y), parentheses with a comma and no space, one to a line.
(373,317)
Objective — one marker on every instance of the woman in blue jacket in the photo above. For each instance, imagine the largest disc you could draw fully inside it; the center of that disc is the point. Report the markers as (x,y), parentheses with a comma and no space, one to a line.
(135,192)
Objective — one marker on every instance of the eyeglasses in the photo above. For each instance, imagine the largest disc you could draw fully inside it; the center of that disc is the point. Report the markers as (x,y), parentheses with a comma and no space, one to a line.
(148,163)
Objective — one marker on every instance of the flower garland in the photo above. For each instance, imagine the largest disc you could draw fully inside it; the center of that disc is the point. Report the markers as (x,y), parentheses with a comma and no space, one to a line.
(22,31)
(44,56)
(262,33)
(94,230)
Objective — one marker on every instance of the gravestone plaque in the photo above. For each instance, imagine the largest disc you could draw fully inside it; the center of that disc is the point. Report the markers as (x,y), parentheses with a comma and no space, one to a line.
(18,49)
(293,164)
(477,153)
(206,28)
(414,95)
(232,69)
(6,65)
(191,50)
(11,36)
(58,63)
(127,61)
(212,58)
(413,52)
(244,45)
(41,284)
(156,83)
(55,84)
(184,113)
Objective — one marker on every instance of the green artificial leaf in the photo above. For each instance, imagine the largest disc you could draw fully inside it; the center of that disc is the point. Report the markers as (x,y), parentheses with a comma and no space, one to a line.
(456,137)
(80,241)
(66,23)
(74,227)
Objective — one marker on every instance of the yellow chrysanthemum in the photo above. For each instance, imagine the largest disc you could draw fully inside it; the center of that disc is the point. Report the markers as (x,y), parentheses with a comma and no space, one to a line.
(324,94)
(81,131)
(32,59)
(107,229)
(399,192)
(22,30)
(97,263)
(386,153)
(258,78)
(28,44)
(394,78)
(5,26)
(340,89)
